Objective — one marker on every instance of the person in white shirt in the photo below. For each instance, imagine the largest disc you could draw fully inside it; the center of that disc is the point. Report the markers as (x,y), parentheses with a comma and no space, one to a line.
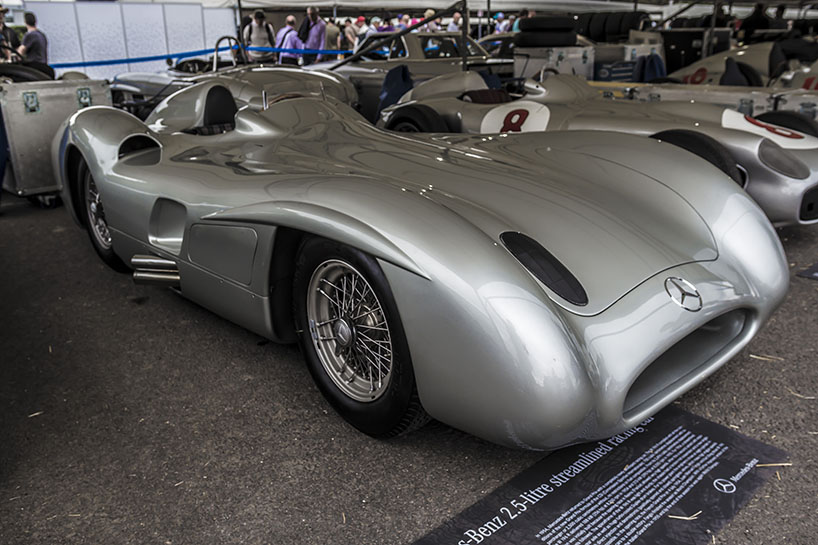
(454,26)
(259,33)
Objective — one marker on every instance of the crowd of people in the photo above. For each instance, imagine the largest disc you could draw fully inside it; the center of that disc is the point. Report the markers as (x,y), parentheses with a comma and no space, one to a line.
(32,48)
(317,33)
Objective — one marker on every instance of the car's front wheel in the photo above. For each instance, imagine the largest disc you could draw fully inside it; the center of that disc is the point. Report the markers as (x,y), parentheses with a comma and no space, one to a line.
(417,118)
(351,336)
(95,220)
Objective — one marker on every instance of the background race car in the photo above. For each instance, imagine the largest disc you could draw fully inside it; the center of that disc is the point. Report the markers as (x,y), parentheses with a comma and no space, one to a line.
(773,156)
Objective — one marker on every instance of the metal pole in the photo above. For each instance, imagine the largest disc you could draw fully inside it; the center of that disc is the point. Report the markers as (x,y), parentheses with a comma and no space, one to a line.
(711,33)
(241,34)
(391,36)
(465,35)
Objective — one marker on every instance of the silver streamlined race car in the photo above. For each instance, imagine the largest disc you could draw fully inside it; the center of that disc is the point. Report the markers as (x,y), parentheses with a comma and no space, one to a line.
(783,64)
(140,92)
(534,290)
(777,165)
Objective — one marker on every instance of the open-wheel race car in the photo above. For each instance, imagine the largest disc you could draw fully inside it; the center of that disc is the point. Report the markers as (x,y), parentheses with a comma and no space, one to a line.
(534,290)
(774,156)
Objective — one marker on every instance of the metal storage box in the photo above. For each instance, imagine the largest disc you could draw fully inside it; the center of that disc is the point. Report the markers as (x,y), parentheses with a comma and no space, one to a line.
(530,61)
(32,112)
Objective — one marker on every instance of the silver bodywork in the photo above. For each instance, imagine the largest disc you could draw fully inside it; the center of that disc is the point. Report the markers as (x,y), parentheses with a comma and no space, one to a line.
(495,352)
(368,73)
(246,83)
(708,71)
(747,100)
(563,102)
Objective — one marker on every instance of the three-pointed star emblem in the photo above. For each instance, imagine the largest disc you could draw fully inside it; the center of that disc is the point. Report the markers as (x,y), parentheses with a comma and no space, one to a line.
(683,293)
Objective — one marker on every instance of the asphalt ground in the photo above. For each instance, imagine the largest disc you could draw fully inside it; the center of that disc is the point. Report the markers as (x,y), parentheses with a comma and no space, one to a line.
(131,415)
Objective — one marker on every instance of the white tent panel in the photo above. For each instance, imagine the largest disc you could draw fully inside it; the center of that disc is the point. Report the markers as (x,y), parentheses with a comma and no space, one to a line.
(145,35)
(59,23)
(420,5)
(100,26)
(184,25)
(217,23)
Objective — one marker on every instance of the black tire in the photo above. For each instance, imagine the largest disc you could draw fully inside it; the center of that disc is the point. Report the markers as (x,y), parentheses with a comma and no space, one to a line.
(632,20)
(545,39)
(596,28)
(583,23)
(612,26)
(790,120)
(417,118)
(40,67)
(397,409)
(19,73)
(565,24)
(104,249)
(705,147)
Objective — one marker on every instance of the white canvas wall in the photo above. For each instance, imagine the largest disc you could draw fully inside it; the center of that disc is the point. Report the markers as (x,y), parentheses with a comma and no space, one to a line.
(90,31)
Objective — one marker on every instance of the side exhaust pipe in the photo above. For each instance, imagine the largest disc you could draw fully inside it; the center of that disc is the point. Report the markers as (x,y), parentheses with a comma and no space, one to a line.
(156,271)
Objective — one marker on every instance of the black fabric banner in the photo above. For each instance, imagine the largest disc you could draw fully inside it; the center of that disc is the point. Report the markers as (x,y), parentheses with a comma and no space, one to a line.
(623,490)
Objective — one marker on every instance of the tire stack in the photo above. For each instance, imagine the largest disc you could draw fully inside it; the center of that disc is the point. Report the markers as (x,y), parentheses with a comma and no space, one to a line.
(546,32)
(610,26)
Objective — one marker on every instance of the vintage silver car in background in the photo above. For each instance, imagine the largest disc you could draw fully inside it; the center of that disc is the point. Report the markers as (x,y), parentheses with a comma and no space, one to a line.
(777,165)
(140,92)
(782,64)
(425,54)
(534,289)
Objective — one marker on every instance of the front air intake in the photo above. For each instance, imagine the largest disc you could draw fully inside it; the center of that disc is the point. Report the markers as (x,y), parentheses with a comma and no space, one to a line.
(809,205)
(545,267)
(683,361)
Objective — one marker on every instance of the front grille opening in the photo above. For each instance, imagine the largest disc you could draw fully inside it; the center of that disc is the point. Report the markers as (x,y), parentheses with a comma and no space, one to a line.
(809,205)
(680,362)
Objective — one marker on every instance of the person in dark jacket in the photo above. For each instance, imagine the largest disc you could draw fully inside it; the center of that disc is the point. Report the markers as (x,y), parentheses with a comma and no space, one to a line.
(758,20)
(7,34)
(35,44)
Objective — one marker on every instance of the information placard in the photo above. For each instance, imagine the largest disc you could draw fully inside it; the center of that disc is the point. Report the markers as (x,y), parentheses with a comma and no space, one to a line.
(675,479)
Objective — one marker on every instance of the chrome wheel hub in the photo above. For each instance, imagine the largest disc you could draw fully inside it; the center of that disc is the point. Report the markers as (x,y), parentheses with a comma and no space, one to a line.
(349,331)
(96,216)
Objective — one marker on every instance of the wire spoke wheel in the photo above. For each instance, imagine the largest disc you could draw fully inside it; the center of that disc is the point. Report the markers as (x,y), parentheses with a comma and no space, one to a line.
(349,331)
(96,214)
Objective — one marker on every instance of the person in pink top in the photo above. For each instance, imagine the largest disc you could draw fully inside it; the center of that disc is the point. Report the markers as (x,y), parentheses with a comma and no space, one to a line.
(287,38)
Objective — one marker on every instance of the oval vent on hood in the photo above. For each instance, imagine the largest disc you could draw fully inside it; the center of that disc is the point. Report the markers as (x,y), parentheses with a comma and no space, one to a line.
(547,268)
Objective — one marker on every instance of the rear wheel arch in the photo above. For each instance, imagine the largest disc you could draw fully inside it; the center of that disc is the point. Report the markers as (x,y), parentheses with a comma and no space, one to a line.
(73,159)
(706,147)
(286,243)
(790,120)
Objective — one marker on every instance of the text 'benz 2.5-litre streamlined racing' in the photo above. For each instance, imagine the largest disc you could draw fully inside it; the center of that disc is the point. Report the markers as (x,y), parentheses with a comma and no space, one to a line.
(535,290)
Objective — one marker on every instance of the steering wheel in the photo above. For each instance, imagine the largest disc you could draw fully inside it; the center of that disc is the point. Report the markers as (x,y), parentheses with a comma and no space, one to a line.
(192,66)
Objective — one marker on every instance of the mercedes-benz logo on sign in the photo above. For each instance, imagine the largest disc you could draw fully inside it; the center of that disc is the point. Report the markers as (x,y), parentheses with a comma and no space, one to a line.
(724,486)
(683,293)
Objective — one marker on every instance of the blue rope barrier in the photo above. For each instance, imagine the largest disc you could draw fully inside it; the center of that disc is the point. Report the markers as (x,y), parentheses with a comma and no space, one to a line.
(187,54)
